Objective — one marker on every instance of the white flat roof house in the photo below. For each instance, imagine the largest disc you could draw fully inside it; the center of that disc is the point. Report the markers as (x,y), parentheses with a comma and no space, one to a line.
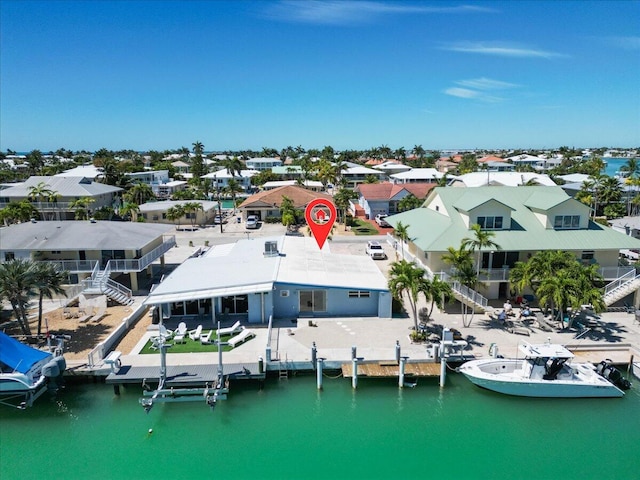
(284,277)
(421,175)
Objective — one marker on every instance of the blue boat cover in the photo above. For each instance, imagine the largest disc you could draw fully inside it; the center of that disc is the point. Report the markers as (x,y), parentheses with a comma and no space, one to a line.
(18,356)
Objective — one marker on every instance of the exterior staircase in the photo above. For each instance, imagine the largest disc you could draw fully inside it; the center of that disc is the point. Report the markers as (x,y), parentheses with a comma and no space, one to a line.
(621,287)
(101,282)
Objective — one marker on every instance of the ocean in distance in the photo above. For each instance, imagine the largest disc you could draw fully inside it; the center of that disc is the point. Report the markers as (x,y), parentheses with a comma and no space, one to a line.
(290,430)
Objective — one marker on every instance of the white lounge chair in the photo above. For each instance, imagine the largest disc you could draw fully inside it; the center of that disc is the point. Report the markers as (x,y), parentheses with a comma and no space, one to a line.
(235,328)
(102,311)
(241,337)
(195,334)
(205,338)
(180,333)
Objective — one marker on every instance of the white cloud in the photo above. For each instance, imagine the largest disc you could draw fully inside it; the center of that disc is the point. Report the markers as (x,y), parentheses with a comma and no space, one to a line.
(334,12)
(484,83)
(501,50)
(628,43)
(478,88)
(462,92)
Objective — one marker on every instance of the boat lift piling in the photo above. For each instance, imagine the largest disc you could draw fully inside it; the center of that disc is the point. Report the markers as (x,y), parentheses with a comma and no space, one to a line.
(354,367)
(320,365)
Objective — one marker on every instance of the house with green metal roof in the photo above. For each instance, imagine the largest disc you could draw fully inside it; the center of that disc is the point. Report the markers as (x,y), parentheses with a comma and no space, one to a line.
(524,220)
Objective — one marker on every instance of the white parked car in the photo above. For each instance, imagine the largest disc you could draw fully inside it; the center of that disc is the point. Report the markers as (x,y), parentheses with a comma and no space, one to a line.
(380,220)
(375,250)
(252,222)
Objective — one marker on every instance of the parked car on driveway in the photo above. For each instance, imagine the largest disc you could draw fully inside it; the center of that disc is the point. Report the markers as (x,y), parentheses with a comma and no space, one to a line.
(380,220)
(375,250)
(252,222)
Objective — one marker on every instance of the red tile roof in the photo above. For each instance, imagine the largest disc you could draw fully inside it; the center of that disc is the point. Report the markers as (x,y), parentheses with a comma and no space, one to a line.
(300,197)
(387,190)
(491,158)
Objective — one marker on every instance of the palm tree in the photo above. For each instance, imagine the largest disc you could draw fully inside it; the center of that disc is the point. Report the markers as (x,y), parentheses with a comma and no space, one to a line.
(18,212)
(406,278)
(232,188)
(632,167)
(139,193)
(461,261)
(16,285)
(438,292)
(191,209)
(481,239)
(175,213)
(197,165)
(81,207)
(409,203)
(48,281)
(40,193)
(130,209)
(233,165)
(402,232)
(342,199)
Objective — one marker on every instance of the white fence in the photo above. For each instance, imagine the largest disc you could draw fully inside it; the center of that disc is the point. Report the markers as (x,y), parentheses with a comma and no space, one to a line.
(99,352)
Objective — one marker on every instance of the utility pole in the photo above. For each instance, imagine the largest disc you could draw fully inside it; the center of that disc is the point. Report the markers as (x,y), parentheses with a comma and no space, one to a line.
(219,205)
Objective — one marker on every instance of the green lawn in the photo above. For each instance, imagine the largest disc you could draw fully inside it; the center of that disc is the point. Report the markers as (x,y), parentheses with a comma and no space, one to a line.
(192,346)
(361,227)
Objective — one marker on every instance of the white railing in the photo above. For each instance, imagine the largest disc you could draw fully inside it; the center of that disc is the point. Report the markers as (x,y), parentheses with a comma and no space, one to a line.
(628,277)
(73,266)
(267,353)
(96,355)
(470,294)
(139,264)
(616,272)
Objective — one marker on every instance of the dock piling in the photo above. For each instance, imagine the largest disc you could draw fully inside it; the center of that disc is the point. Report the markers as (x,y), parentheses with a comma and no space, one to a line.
(403,361)
(320,362)
(314,354)
(354,378)
(398,351)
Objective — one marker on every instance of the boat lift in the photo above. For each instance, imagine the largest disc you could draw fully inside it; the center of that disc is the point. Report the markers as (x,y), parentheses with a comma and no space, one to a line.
(218,389)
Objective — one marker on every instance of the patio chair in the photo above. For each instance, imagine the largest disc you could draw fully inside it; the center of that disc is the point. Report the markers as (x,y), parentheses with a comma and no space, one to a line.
(205,338)
(195,334)
(241,337)
(235,328)
(102,311)
(180,333)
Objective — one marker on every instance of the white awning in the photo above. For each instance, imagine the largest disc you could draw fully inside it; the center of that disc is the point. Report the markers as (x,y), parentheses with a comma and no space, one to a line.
(210,293)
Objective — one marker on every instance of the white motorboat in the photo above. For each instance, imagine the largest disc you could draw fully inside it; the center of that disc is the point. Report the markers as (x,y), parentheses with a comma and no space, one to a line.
(26,372)
(545,370)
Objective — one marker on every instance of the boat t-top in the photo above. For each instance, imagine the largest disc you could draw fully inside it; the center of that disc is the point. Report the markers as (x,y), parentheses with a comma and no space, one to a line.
(545,370)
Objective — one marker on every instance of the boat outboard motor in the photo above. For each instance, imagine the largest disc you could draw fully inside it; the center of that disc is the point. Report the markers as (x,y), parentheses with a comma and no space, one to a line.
(52,371)
(611,373)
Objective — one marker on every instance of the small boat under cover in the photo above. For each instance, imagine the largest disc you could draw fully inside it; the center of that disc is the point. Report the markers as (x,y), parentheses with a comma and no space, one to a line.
(545,370)
(26,372)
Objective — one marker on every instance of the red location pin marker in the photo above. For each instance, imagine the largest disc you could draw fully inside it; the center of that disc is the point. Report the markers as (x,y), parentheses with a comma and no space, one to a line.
(321,215)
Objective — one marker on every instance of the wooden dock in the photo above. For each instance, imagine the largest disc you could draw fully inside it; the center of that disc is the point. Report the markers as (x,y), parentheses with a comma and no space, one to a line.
(392,369)
(184,375)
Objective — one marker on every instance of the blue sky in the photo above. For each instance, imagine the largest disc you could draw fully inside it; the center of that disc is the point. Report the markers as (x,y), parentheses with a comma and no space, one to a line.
(350,74)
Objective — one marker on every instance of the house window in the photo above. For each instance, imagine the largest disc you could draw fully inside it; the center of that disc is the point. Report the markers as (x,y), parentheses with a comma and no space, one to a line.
(284,293)
(359,294)
(588,257)
(235,304)
(8,256)
(313,301)
(566,221)
(490,223)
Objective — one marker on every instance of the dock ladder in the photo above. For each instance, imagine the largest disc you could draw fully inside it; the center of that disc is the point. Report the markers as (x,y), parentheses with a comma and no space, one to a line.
(283,371)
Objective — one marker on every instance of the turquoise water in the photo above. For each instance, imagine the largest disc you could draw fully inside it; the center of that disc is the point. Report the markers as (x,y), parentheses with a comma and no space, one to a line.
(289,430)
(613,165)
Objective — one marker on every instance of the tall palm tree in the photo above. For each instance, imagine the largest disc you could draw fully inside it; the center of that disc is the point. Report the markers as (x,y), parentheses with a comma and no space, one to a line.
(40,193)
(17,285)
(233,166)
(405,278)
(438,292)
(461,261)
(18,212)
(481,239)
(402,232)
(197,165)
(130,209)
(232,188)
(48,281)
(342,200)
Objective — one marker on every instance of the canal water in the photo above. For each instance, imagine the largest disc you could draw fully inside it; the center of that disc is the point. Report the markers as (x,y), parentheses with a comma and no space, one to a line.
(290,430)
